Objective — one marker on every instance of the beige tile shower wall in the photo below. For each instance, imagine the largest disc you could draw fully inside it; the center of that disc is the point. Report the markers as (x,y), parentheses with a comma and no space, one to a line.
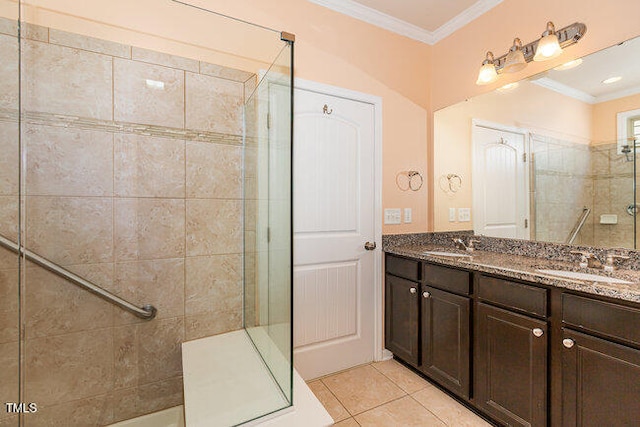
(133,180)
(563,185)
(9,202)
(613,192)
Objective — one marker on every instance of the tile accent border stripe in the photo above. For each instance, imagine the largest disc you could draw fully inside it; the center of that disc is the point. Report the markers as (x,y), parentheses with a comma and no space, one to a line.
(60,120)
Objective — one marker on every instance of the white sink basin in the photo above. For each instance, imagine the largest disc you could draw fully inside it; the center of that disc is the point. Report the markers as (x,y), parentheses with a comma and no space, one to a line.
(449,254)
(583,276)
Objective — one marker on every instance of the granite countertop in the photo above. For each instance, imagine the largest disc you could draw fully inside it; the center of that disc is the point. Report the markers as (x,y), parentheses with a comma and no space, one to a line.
(524,268)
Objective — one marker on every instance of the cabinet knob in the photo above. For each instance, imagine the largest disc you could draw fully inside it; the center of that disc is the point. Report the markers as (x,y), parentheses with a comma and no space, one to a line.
(413,290)
(538,332)
(568,342)
(426,294)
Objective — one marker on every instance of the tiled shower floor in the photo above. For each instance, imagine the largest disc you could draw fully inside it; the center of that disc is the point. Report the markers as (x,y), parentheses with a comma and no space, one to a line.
(388,394)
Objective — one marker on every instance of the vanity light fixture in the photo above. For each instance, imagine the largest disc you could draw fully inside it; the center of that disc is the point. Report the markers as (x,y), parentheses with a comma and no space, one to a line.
(488,73)
(549,46)
(515,58)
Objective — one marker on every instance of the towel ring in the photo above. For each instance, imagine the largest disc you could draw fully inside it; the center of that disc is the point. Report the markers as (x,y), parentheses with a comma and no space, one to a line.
(450,183)
(412,180)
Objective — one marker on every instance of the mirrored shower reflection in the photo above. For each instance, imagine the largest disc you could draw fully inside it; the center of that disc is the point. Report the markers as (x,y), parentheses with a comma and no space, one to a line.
(593,184)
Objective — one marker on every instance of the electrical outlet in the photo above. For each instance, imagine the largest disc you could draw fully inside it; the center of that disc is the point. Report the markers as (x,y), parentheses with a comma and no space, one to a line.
(392,216)
(452,214)
(407,215)
(464,214)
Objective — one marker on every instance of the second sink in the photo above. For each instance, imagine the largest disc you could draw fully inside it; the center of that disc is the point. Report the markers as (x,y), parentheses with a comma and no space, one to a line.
(583,276)
(446,254)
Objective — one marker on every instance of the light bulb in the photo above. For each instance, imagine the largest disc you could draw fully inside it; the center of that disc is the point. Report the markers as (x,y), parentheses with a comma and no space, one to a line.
(487,73)
(548,45)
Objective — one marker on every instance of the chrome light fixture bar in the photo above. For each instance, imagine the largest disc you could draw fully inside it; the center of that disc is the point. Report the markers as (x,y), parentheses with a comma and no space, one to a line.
(566,36)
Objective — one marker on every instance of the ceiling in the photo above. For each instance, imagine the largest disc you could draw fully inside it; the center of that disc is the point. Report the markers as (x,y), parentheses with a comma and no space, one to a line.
(584,82)
(427,21)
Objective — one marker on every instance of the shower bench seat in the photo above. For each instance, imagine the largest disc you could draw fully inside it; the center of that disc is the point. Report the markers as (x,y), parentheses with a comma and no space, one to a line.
(226,382)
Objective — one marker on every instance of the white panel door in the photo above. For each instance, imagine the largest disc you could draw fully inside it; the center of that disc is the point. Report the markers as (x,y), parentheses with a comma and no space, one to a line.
(334,212)
(500,182)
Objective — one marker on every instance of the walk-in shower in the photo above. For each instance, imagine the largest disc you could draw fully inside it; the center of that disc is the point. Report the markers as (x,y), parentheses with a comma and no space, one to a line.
(145,215)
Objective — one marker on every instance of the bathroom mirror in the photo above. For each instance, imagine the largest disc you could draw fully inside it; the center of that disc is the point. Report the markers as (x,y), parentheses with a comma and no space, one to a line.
(549,158)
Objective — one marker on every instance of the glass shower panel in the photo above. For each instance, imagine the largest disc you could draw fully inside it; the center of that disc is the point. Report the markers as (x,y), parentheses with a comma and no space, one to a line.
(132,150)
(268,240)
(9,213)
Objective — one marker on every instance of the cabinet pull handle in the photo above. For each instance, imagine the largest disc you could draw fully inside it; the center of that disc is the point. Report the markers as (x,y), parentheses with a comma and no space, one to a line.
(538,332)
(426,294)
(413,290)
(568,342)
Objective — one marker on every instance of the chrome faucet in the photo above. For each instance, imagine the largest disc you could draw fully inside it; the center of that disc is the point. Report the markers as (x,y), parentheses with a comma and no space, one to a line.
(609,263)
(587,259)
(470,247)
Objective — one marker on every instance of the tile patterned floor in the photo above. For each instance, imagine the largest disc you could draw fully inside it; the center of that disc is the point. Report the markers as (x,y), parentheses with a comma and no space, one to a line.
(388,394)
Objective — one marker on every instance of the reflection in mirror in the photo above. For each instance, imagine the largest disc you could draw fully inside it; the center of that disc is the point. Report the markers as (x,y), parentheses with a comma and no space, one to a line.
(550,158)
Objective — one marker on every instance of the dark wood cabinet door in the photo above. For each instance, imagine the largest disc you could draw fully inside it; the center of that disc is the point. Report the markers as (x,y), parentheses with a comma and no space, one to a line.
(600,382)
(401,318)
(510,369)
(445,339)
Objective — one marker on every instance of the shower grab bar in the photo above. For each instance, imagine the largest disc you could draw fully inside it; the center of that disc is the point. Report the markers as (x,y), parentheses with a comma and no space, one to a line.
(576,228)
(146,312)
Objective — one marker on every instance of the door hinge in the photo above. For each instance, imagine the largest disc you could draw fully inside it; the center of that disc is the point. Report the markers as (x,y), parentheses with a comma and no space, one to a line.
(526,223)
(268,234)
(268,120)
(524,157)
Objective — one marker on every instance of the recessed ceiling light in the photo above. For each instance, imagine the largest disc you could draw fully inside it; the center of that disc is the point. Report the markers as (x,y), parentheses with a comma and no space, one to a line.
(612,80)
(569,65)
(509,87)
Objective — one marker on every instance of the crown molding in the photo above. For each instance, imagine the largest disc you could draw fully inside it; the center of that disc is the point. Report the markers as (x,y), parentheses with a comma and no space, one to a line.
(563,89)
(398,26)
(618,94)
(463,18)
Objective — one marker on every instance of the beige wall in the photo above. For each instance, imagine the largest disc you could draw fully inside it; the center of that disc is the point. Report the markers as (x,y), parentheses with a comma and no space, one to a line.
(604,120)
(526,107)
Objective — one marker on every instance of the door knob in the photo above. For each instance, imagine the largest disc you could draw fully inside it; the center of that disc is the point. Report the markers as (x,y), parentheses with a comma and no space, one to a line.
(413,290)
(538,332)
(426,294)
(568,342)
(370,246)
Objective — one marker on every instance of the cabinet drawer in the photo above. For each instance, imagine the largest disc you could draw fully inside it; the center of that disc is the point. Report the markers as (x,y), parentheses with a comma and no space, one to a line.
(403,267)
(448,279)
(614,320)
(523,297)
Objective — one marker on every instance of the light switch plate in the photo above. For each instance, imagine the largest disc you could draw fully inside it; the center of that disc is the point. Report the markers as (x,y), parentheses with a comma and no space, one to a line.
(452,214)
(392,216)
(407,215)
(464,214)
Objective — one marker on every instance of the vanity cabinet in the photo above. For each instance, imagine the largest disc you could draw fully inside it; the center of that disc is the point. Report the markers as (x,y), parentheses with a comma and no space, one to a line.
(445,327)
(427,322)
(402,306)
(600,375)
(521,353)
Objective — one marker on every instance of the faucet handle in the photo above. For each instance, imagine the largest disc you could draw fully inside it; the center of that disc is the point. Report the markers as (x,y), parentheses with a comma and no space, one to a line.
(609,264)
(584,257)
(471,246)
